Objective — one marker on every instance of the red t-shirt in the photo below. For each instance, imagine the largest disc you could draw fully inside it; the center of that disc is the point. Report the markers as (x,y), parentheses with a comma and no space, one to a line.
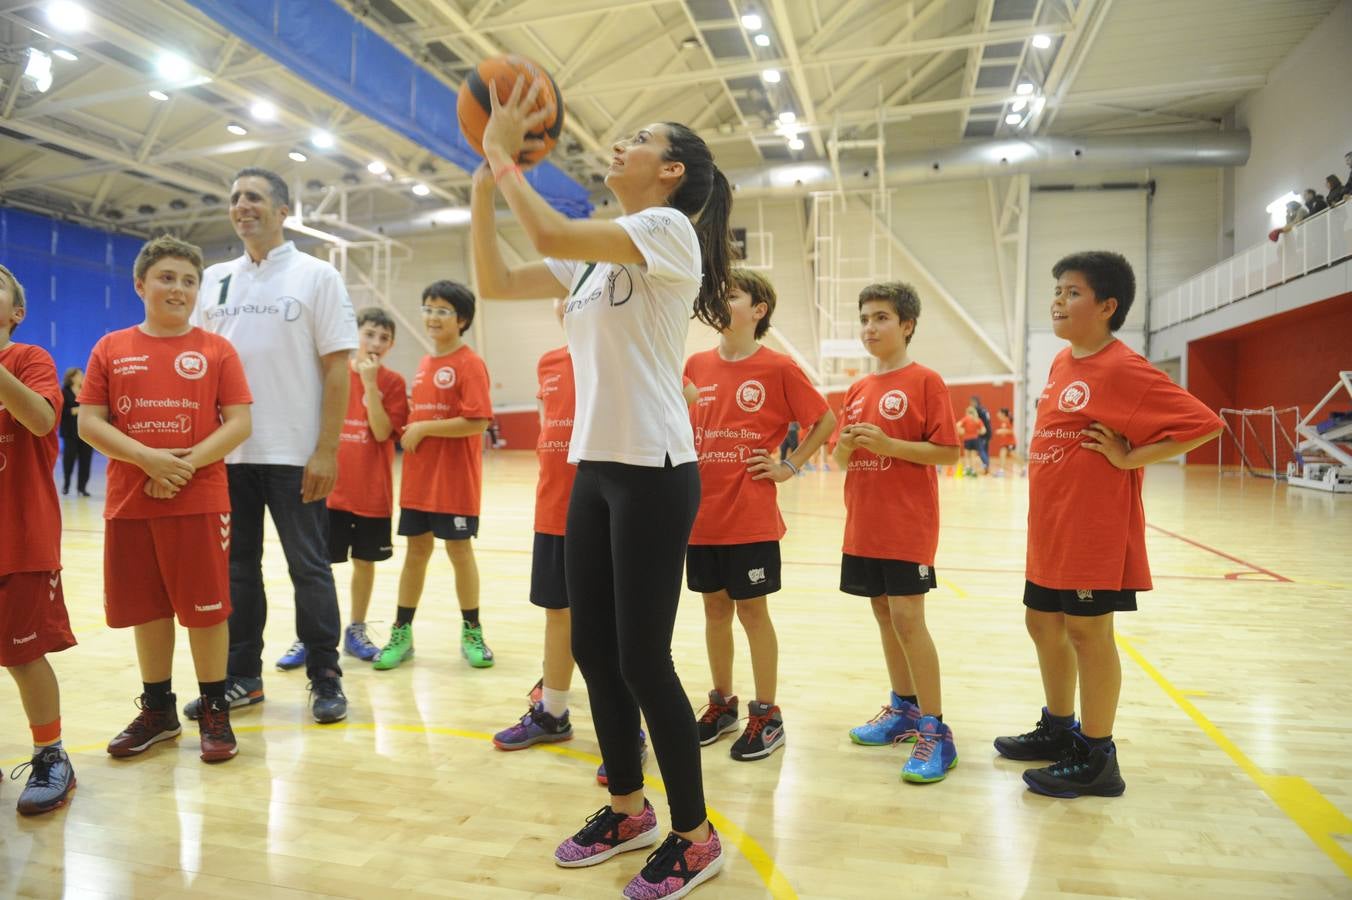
(970,428)
(445,474)
(1003,437)
(892,505)
(365,484)
(30,513)
(1086,523)
(164,392)
(744,407)
(557,398)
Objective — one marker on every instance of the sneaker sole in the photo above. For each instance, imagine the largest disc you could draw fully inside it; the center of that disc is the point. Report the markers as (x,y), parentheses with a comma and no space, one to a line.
(725,730)
(486,663)
(52,807)
(124,752)
(1116,791)
(646,839)
(289,667)
(920,779)
(220,756)
(319,721)
(759,754)
(371,657)
(705,874)
(541,739)
(403,659)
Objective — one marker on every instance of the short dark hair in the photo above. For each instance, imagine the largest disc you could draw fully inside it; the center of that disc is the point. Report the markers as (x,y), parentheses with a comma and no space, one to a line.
(1109,275)
(376,316)
(460,297)
(281,194)
(760,290)
(166,246)
(902,296)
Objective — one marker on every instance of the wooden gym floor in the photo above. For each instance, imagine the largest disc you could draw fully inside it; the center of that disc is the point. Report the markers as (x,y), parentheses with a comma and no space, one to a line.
(1235,704)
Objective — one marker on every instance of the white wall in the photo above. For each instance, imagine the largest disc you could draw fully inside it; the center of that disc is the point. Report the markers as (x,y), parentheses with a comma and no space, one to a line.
(1300,125)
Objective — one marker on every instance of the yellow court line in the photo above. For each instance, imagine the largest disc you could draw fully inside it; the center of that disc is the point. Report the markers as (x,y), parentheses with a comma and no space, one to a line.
(944,582)
(775,881)
(1301,801)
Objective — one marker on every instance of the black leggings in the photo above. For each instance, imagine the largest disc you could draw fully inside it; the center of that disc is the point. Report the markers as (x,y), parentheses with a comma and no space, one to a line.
(72,450)
(624,552)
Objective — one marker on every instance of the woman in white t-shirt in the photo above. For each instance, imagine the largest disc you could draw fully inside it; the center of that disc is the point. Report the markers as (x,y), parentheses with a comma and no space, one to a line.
(637,487)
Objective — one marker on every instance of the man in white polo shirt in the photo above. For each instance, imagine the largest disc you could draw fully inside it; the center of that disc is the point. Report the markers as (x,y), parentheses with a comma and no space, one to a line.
(288,315)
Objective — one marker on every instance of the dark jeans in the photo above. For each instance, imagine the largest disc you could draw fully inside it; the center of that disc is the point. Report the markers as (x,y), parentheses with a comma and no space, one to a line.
(304,532)
(983,450)
(624,552)
(73,449)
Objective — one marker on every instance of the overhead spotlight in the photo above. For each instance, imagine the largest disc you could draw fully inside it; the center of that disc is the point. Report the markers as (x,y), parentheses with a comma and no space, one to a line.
(689,43)
(237,129)
(314,184)
(1013,119)
(38,70)
(1018,105)
(178,203)
(210,200)
(796,144)
(263,111)
(1024,89)
(63,15)
(351,178)
(771,76)
(762,40)
(427,168)
(1042,41)
(376,167)
(322,139)
(63,53)
(114,214)
(146,209)
(161,96)
(172,67)
(297,156)
(751,22)
(788,117)
(421,190)
(1038,104)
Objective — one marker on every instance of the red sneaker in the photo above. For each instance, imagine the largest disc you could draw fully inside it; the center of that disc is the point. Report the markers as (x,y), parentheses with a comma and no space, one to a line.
(218,739)
(149,727)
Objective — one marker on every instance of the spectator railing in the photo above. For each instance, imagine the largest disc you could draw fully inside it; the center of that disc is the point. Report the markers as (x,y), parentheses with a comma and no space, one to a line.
(1315,243)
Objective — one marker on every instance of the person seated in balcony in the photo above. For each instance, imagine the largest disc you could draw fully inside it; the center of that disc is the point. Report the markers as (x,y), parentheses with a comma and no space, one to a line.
(1338,192)
(1314,201)
(1295,212)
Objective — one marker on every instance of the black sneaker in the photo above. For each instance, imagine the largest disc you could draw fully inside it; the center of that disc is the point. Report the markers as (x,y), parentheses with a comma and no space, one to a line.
(328,703)
(764,733)
(717,718)
(1083,772)
(1050,740)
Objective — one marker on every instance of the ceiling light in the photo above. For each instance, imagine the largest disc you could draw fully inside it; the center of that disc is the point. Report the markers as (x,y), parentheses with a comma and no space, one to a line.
(796,144)
(689,43)
(788,117)
(172,67)
(762,40)
(38,70)
(237,129)
(67,16)
(375,167)
(1024,89)
(751,22)
(421,190)
(1042,41)
(1018,105)
(263,111)
(161,96)
(322,139)
(771,76)
(1013,119)
(63,53)
(297,156)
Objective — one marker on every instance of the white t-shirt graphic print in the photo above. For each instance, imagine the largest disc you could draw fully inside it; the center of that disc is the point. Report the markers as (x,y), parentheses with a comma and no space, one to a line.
(281,315)
(626,329)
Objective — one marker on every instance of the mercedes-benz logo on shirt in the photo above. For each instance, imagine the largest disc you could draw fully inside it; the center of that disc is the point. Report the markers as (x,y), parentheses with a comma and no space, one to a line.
(1074,397)
(124,404)
(445,377)
(893,404)
(190,364)
(751,395)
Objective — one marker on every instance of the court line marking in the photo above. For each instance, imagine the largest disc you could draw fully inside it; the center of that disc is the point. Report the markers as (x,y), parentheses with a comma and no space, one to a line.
(1231,576)
(1302,802)
(774,879)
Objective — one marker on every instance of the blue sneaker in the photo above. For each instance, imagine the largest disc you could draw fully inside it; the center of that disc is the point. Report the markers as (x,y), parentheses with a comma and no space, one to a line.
(356,643)
(933,755)
(293,658)
(642,758)
(535,727)
(896,722)
(50,781)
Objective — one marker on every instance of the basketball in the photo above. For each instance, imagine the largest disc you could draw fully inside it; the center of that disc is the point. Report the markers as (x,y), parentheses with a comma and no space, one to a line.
(474,108)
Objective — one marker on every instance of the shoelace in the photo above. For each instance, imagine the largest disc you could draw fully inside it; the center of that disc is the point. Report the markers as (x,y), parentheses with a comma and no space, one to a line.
(884,714)
(214,722)
(41,764)
(328,688)
(297,648)
(599,825)
(662,862)
(710,712)
(924,745)
(756,724)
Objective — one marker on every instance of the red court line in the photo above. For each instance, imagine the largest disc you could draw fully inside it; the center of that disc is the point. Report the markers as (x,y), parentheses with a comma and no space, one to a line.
(1230,576)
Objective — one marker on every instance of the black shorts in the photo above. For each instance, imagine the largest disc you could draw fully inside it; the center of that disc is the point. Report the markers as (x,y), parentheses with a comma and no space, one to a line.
(865,576)
(547,586)
(1077,603)
(745,571)
(447,526)
(972,444)
(369,539)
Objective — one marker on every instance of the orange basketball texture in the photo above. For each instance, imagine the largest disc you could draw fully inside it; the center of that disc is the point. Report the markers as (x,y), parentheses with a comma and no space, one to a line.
(474,108)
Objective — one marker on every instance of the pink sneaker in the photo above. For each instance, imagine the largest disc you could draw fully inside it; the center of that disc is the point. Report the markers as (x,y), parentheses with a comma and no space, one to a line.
(607,833)
(676,868)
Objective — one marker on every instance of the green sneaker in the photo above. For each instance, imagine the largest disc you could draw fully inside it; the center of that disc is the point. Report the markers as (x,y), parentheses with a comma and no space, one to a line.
(399,648)
(473,648)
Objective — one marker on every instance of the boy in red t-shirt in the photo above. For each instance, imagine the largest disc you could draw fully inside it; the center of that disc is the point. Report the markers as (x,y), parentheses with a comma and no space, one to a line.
(443,471)
(898,427)
(970,430)
(1104,414)
(361,506)
(33,620)
(748,395)
(165,402)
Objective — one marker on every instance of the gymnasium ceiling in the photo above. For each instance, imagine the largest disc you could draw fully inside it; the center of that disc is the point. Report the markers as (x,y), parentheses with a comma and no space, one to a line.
(924,74)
